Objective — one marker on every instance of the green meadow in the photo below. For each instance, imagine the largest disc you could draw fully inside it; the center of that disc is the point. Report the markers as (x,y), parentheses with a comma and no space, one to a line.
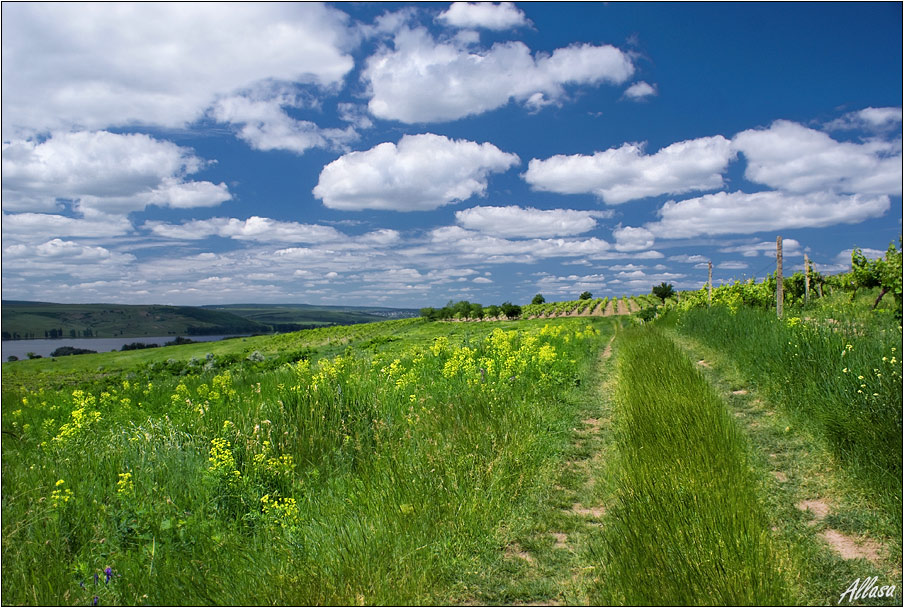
(679,454)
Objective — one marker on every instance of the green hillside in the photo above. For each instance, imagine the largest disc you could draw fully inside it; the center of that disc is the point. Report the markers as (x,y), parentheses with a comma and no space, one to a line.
(293,317)
(22,320)
(720,451)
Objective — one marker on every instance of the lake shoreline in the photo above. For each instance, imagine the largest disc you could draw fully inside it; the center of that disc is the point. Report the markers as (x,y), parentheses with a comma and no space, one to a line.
(44,347)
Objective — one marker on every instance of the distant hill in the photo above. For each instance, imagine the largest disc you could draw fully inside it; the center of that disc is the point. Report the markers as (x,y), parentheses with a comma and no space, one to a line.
(292,317)
(29,320)
(24,320)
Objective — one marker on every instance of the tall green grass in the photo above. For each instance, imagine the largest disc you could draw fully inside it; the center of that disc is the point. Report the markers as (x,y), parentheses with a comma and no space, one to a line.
(686,526)
(356,478)
(838,372)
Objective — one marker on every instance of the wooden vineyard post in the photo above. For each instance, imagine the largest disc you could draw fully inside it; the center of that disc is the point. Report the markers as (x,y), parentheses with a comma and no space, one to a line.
(709,285)
(806,279)
(779,281)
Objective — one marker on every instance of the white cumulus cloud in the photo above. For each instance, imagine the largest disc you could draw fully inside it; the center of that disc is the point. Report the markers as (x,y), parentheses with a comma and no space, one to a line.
(742,213)
(514,221)
(104,172)
(502,16)
(96,65)
(37,226)
(255,228)
(481,247)
(640,90)
(60,258)
(421,80)
(421,173)
(871,119)
(794,158)
(629,238)
(265,125)
(618,175)
(767,248)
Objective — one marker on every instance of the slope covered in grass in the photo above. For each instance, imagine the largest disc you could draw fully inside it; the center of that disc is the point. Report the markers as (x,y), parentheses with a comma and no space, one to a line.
(376,468)
(38,319)
(837,371)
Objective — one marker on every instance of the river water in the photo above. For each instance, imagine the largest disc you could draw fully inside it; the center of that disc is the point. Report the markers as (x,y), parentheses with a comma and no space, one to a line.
(20,348)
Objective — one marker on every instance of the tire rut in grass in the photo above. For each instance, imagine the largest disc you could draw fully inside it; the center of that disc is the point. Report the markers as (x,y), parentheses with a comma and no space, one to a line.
(555,554)
(686,511)
(811,503)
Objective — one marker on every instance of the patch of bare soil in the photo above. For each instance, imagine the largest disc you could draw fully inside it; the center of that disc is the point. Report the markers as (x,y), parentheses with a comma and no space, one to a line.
(515,550)
(739,392)
(704,363)
(607,352)
(633,306)
(597,311)
(850,547)
(594,512)
(818,507)
(780,476)
(623,308)
(593,423)
(561,540)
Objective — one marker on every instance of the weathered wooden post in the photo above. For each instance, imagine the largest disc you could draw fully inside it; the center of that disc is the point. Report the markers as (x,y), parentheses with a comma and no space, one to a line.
(806,279)
(779,280)
(709,285)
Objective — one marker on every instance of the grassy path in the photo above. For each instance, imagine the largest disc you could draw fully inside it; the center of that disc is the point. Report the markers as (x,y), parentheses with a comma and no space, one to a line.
(682,486)
(686,524)
(837,534)
(547,556)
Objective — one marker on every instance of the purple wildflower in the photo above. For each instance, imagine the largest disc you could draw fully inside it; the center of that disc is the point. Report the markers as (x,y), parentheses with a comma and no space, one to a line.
(94,601)
(109,574)
(96,578)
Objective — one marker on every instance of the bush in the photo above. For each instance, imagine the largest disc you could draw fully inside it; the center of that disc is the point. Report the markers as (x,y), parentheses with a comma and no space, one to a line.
(65,351)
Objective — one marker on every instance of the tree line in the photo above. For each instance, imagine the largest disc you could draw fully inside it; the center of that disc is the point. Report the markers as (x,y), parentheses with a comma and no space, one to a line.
(471,310)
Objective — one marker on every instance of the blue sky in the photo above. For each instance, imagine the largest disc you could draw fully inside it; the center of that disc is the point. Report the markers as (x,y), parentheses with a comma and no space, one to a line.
(405,155)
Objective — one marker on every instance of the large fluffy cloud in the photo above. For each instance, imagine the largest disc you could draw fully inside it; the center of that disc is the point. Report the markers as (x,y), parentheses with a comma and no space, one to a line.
(88,66)
(514,221)
(618,175)
(742,213)
(491,16)
(421,80)
(422,172)
(794,158)
(104,173)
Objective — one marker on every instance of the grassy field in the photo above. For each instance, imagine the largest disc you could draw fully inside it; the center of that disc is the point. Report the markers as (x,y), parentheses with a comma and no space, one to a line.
(710,457)
(378,475)
(288,315)
(39,319)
